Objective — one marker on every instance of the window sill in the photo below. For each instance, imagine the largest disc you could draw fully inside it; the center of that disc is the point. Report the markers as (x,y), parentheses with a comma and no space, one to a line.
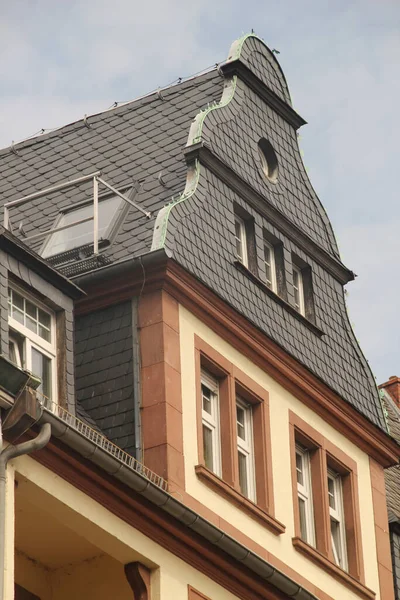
(240,266)
(246,505)
(342,576)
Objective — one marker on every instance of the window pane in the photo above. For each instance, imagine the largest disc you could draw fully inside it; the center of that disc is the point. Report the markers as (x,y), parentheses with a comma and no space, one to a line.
(206,393)
(208,448)
(31,324)
(299,468)
(18,316)
(31,310)
(18,301)
(336,542)
(81,234)
(44,318)
(331,492)
(44,333)
(238,234)
(41,366)
(240,420)
(243,477)
(303,519)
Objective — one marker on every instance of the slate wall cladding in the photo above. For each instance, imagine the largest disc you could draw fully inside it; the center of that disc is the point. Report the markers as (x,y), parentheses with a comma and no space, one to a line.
(54,298)
(262,62)
(104,371)
(395,548)
(205,246)
(233,136)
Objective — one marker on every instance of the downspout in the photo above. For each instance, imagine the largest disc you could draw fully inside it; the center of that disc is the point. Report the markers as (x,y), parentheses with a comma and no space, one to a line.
(5,455)
(137,396)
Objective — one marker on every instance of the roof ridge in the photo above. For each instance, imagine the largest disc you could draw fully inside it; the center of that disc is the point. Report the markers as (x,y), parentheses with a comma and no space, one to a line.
(39,137)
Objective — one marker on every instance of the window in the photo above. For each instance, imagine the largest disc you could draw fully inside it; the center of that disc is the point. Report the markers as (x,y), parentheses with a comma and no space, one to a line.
(78,226)
(304,495)
(336,514)
(32,340)
(270,268)
(244,427)
(298,290)
(269,161)
(233,441)
(325,504)
(241,241)
(210,420)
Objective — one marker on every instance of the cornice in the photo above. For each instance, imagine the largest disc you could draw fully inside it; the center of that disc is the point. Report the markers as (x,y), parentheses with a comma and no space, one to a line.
(247,339)
(261,204)
(237,67)
(285,369)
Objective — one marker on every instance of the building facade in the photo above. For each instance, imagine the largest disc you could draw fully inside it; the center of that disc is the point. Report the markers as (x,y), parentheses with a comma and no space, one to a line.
(209,427)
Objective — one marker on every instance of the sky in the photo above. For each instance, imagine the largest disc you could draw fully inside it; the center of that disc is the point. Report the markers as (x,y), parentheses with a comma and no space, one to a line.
(62,60)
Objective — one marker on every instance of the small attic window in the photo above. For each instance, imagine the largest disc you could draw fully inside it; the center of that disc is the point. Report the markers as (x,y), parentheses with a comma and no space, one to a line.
(79,226)
(269,161)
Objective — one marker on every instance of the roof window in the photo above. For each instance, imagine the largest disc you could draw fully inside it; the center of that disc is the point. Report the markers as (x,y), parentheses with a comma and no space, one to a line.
(269,161)
(78,226)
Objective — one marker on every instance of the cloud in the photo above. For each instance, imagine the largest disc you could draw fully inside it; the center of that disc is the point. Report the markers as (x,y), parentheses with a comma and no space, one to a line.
(342,61)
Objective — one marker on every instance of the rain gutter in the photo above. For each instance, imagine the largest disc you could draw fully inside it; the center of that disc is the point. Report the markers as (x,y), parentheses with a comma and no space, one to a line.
(173,507)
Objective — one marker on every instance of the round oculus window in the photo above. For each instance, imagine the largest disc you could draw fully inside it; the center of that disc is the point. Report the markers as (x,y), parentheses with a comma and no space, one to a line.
(269,161)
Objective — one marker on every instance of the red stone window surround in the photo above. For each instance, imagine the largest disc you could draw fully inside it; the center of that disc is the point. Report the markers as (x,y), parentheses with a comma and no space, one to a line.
(235,383)
(324,455)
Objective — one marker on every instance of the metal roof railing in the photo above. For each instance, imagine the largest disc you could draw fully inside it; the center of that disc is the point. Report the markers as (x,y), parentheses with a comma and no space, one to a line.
(95,177)
(102,442)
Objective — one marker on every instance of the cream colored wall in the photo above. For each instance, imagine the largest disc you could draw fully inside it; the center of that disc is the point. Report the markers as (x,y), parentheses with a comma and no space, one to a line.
(8,588)
(281,401)
(120,542)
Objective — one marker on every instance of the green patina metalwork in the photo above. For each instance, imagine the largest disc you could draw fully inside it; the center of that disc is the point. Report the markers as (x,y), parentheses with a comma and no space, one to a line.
(193,176)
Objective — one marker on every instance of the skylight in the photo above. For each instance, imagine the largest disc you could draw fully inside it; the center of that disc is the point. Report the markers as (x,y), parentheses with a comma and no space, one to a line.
(79,226)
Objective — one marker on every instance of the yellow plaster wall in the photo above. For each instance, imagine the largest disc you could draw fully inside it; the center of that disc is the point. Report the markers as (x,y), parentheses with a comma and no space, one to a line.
(120,542)
(9,535)
(281,401)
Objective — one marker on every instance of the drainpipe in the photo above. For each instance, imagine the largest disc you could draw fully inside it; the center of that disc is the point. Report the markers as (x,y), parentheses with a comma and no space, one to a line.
(7,454)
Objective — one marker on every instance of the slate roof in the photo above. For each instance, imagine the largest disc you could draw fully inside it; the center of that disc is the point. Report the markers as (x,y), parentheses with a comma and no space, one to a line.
(139,147)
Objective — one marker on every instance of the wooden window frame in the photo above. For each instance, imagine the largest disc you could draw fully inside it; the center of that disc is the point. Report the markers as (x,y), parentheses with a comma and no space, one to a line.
(235,383)
(33,342)
(242,240)
(271,265)
(245,447)
(300,307)
(305,494)
(212,420)
(324,456)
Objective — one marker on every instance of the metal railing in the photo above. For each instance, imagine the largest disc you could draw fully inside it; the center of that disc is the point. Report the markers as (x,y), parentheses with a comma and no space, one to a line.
(102,442)
(95,177)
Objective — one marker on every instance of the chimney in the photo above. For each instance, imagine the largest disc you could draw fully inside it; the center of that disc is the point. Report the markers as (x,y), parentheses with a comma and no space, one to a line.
(393,388)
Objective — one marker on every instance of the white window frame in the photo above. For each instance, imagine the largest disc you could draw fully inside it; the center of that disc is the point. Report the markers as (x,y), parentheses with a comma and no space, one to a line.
(304,493)
(300,290)
(212,421)
(271,283)
(241,238)
(246,447)
(34,341)
(336,514)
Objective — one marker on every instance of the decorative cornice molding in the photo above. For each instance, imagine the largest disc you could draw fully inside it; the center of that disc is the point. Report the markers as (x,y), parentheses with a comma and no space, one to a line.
(261,204)
(248,339)
(236,67)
